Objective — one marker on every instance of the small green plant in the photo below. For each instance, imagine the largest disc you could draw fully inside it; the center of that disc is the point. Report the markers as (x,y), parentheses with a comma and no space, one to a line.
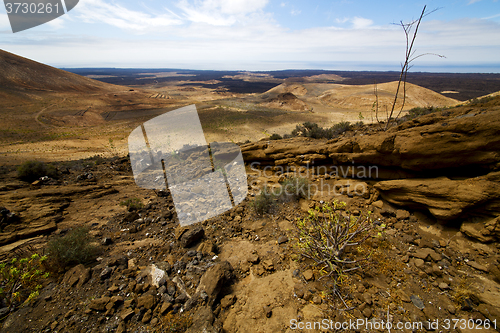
(76,247)
(21,280)
(417,112)
(295,188)
(312,130)
(482,100)
(340,128)
(32,170)
(132,204)
(264,202)
(328,235)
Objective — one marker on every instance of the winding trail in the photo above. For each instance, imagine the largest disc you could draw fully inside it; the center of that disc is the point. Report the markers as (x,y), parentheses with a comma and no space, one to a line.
(44,109)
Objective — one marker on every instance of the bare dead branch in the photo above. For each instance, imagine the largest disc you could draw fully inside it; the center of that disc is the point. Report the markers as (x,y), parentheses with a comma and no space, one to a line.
(409,58)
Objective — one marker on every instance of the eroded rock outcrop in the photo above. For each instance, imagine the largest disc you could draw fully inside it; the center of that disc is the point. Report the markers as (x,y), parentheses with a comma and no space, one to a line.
(461,138)
(40,209)
(446,162)
(445,198)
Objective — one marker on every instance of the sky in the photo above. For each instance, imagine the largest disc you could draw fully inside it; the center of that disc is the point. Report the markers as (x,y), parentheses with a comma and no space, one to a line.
(264,35)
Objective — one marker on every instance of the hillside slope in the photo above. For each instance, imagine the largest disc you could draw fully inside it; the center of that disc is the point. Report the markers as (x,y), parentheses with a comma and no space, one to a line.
(362,97)
(20,75)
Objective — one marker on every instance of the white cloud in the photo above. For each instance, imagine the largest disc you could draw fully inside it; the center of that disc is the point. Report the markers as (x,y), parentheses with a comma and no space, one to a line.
(4,22)
(202,43)
(220,12)
(473,1)
(57,23)
(361,23)
(491,17)
(91,11)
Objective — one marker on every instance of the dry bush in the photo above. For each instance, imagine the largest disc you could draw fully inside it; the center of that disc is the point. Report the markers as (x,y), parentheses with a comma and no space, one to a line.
(132,204)
(264,202)
(326,236)
(33,170)
(76,247)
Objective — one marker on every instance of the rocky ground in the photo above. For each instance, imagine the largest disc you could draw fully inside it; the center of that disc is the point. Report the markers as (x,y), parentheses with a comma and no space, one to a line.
(434,251)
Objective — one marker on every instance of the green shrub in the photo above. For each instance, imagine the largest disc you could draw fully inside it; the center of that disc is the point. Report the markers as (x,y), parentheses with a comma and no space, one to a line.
(482,100)
(312,130)
(132,204)
(340,128)
(264,202)
(33,170)
(76,247)
(328,236)
(21,279)
(417,112)
(295,188)
(309,130)
(275,136)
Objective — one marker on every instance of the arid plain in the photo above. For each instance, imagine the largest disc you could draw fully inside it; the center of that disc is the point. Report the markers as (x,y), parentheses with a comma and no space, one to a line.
(50,114)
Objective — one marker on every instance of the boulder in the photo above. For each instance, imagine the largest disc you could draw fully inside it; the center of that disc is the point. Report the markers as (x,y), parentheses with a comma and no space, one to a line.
(445,198)
(203,321)
(188,236)
(99,304)
(477,231)
(155,276)
(77,275)
(214,278)
(146,301)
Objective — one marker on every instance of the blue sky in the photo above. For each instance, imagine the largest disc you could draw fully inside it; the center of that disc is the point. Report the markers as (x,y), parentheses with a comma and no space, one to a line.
(263,35)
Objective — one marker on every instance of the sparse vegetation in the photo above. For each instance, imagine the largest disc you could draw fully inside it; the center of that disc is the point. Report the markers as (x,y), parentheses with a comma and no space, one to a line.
(418,112)
(132,204)
(32,170)
(463,290)
(275,136)
(295,188)
(176,323)
(340,128)
(21,280)
(313,130)
(326,236)
(291,189)
(264,202)
(76,247)
(482,100)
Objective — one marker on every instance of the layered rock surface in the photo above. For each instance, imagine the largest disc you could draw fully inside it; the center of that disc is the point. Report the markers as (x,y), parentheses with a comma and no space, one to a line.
(450,139)
(446,162)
